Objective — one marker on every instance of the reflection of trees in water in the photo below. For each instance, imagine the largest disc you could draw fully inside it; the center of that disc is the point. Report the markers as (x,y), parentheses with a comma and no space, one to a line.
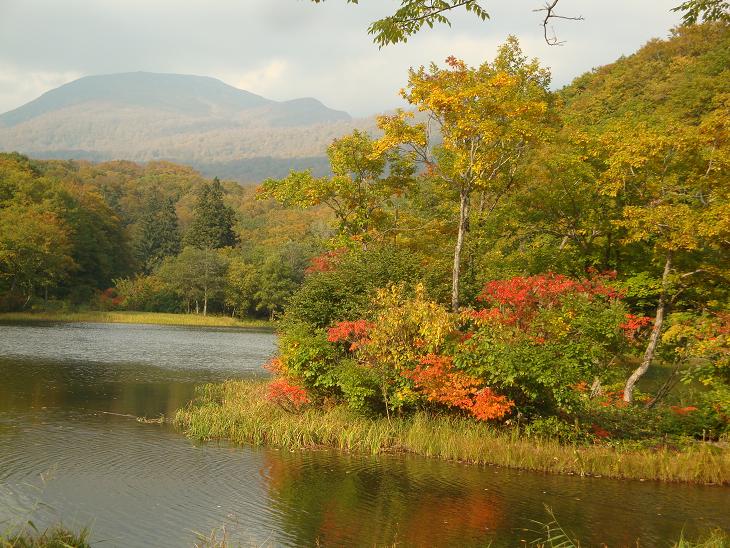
(344,500)
(96,387)
(339,500)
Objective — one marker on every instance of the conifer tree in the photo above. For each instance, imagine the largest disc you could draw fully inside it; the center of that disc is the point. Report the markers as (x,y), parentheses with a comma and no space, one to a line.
(212,226)
(159,233)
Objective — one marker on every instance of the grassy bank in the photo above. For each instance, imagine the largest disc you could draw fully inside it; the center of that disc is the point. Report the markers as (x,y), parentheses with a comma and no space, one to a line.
(157,318)
(239,412)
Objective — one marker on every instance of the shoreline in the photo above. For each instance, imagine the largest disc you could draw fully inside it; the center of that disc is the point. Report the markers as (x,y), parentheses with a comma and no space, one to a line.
(238,412)
(146,318)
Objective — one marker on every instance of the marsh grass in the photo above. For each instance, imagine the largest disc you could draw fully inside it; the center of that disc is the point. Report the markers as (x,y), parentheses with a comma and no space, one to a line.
(157,318)
(57,537)
(239,412)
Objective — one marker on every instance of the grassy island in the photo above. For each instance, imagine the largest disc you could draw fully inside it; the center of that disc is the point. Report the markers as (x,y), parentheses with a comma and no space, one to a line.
(239,411)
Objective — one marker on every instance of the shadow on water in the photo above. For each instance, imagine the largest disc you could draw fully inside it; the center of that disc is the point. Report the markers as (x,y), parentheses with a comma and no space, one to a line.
(69,453)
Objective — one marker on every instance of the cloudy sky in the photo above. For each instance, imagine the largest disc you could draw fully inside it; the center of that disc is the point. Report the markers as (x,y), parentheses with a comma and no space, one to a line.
(293,48)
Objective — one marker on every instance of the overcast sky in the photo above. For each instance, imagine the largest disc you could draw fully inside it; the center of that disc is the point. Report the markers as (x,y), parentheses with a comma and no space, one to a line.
(284,49)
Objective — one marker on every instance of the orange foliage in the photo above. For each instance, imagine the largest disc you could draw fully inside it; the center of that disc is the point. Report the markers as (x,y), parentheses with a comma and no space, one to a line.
(288,395)
(353,332)
(436,378)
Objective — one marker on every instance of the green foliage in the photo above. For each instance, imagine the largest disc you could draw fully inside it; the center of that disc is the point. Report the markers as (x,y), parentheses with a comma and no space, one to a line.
(343,291)
(147,294)
(552,428)
(198,275)
(704,10)
(159,233)
(212,225)
(364,182)
(412,15)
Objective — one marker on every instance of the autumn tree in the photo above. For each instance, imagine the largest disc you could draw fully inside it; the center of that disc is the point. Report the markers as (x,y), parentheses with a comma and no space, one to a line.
(35,249)
(674,183)
(363,183)
(489,119)
(196,274)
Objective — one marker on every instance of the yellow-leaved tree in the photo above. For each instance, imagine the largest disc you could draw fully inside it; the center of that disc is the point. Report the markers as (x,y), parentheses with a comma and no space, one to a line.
(674,184)
(487,118)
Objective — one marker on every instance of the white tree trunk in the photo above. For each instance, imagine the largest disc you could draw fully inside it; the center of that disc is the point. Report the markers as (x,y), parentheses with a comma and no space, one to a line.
(654,337)
(464,196)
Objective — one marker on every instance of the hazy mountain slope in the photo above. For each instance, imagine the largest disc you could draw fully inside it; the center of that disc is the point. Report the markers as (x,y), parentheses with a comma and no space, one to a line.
(191,119)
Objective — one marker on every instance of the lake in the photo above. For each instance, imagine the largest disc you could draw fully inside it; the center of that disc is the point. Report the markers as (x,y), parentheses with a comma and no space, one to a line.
(71,451)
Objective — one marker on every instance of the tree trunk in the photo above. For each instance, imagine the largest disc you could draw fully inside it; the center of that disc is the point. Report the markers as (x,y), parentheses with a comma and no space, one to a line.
(463,227)
(205,301)
(197,307)
(654,337)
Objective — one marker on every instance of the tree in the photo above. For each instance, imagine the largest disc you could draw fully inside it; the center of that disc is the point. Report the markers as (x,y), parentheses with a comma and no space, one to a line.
(488,117)
(414,14)
(213,220)
(704,10)
(196,274)
(159,233)
(241,283)
(364,181)
(280,274)
(35,249)
(674,183)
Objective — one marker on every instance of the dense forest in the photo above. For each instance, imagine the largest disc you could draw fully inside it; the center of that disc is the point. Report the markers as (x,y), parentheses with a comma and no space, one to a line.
(539,249)
(157,237)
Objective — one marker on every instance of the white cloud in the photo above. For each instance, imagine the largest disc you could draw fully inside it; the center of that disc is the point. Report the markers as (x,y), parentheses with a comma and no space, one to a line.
(266,80)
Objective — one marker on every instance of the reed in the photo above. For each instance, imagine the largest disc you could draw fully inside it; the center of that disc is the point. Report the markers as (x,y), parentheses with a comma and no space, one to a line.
(156,318)
(239,412)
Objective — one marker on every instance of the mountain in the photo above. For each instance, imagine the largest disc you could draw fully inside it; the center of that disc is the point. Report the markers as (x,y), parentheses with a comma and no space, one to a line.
(195,120)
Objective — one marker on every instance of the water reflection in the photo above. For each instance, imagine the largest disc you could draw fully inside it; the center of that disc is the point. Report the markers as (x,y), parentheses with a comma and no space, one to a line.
(349,500)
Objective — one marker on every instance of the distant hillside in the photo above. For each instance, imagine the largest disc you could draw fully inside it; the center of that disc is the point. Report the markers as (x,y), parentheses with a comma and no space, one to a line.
(196,120)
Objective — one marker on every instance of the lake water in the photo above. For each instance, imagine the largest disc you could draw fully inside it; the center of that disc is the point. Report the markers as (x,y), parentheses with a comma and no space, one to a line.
(70,453)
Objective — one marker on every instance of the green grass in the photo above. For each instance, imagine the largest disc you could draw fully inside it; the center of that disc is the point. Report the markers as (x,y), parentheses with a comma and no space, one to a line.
(58,537)
(157,318)
(239,412)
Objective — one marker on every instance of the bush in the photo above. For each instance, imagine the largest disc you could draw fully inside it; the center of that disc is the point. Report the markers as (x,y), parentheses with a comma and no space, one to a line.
(552,428)
(146,294)
(537,338)
(340,286)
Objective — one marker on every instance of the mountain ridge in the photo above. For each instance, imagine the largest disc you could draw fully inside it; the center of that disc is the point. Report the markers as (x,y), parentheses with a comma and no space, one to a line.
(191,95)
(196,120)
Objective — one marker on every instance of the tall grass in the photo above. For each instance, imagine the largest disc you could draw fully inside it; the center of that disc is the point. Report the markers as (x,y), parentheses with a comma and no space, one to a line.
(239,412)
(58,537)
(158,318)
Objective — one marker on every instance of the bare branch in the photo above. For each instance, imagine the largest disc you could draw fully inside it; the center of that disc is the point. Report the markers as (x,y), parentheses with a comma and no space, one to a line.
(549,10)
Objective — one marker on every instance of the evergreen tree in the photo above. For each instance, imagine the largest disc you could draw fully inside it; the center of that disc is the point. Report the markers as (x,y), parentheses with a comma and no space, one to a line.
(159,233)
(212,226)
